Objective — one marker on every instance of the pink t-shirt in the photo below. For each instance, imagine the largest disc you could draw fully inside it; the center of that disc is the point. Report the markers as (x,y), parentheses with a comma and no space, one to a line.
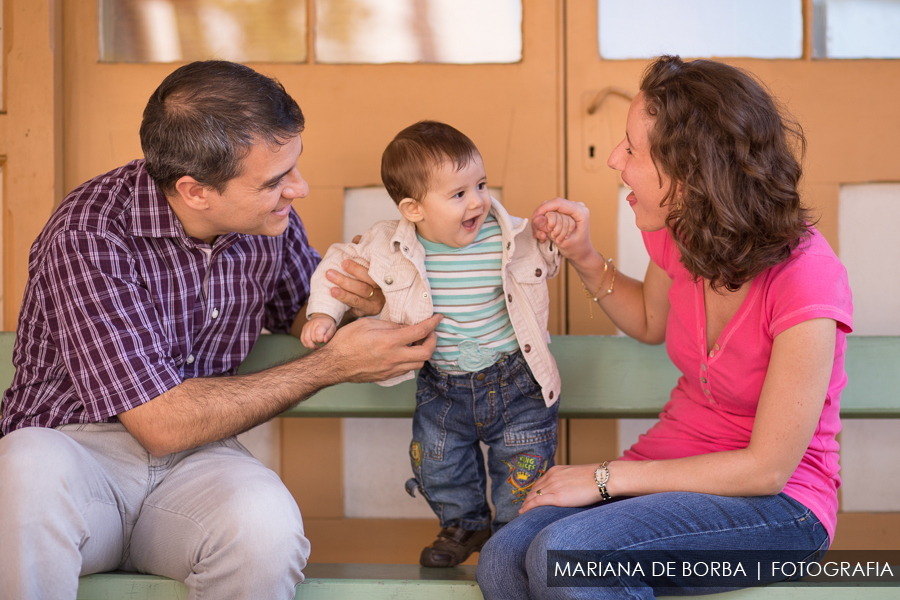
(713,406)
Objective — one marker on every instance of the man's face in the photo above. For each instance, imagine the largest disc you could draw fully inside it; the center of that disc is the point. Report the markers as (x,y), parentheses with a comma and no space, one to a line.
(258,201)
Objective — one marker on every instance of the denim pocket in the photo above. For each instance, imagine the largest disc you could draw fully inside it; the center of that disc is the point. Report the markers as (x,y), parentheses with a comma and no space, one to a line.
(528,385)
(529,437)
(428,422)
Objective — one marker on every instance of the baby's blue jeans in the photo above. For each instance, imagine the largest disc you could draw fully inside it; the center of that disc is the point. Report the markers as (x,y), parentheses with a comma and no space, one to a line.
(502,407)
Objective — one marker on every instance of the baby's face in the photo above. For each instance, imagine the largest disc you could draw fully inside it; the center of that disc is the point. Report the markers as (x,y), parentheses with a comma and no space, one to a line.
(456,205)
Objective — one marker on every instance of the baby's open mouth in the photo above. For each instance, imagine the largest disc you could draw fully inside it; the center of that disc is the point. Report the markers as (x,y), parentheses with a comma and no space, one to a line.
(470,224)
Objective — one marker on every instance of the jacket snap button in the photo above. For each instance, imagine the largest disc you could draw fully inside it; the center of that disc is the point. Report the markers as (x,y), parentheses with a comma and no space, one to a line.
(389,280)
(509,297)
(527,347)
(480,377)
(537,272)
(551,395)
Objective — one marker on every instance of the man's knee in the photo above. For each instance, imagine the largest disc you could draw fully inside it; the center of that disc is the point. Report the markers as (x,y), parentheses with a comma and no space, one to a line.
(266,523)
(32,462)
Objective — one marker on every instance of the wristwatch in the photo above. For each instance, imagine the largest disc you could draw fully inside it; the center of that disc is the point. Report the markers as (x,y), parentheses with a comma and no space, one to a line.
(601,476)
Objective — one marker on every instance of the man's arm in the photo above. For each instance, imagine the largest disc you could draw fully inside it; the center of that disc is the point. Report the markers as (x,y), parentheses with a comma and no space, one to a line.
(200,411)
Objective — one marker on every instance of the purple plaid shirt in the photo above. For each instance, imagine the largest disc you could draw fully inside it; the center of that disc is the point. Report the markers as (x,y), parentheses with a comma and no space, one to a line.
(121,305)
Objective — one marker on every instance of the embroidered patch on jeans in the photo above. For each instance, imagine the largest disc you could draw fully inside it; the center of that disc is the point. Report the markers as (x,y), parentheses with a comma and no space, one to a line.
(524,470)
(415,452)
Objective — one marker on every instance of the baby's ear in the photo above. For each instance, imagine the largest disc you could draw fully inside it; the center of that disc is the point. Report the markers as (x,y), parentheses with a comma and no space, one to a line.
(411,209)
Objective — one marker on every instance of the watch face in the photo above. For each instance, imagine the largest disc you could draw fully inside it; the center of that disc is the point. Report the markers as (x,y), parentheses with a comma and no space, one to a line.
(602,474)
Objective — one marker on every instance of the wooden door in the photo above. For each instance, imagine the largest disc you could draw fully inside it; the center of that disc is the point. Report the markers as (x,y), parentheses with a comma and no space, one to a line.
(847,109)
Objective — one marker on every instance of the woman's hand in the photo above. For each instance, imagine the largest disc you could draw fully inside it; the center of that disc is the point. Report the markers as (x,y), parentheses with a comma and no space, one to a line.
(552,226)
(564,485)
(575,245)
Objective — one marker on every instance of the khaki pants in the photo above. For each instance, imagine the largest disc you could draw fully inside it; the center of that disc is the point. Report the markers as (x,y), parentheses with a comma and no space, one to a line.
(86,499)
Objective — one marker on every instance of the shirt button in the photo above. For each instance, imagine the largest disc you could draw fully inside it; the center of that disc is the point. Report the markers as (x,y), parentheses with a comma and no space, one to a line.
(527,348)
(707,392)
(703,367)
(190,359)
(388,280)
(712,353)
(703,379)
(537,272)
(480,377)
(507,245)
(215,313)
(424,294)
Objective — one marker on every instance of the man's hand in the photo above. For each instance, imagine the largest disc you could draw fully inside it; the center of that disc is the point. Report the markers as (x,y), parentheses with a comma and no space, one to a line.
(358,291)
(374,350)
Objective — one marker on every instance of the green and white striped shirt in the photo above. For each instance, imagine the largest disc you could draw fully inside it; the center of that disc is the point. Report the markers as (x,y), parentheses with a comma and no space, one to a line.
(467,288)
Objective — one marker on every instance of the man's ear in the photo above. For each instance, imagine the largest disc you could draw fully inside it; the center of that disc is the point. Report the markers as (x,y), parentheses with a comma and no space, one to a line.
(192,193)
(411,209)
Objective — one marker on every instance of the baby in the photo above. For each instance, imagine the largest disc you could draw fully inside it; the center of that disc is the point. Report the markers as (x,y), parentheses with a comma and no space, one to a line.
(492,379)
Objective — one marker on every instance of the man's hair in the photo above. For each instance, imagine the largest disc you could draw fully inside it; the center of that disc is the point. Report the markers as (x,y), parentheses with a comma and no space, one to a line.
(411,158)
(722,137)
(204,118)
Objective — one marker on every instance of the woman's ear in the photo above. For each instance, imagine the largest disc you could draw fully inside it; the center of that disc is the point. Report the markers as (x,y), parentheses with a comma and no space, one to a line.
(411,209)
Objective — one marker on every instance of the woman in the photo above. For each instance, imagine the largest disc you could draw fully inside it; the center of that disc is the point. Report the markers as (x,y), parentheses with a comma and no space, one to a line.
(754,308)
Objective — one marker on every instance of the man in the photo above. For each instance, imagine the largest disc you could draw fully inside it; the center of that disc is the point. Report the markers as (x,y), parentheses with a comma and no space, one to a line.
(147,288)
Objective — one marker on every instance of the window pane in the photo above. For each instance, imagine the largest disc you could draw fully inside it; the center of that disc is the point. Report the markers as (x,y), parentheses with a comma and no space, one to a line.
(856,28)
(409,31)
(186,30)
(700,28)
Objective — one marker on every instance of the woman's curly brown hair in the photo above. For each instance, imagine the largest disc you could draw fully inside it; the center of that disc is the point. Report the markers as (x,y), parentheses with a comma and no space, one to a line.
(730,150)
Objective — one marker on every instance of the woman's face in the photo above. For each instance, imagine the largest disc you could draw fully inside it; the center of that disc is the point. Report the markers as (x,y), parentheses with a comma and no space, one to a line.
(632,159)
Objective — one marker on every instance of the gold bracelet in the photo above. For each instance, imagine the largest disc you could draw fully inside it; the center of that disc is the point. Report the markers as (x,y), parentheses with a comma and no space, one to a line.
(612,282)
(593,296)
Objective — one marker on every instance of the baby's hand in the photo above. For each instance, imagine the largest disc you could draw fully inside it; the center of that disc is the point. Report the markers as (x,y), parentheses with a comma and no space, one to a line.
(317,331)
(552,226)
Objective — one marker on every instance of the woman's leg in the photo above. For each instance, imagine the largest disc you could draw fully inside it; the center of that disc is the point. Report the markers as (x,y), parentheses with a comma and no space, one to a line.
(665,527)
(501,567)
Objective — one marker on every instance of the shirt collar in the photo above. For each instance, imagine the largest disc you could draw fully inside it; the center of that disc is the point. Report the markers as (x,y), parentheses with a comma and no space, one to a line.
(152,215)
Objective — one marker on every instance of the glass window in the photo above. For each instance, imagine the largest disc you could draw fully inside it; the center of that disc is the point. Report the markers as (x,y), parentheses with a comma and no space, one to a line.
(410,31)
(856,28)
(700,28)
(186,30)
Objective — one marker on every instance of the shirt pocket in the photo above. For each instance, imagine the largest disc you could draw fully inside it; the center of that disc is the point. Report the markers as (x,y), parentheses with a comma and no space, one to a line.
(398,282)
(530,275)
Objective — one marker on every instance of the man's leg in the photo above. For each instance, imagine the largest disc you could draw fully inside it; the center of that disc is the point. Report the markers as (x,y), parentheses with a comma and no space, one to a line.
(224,524)
(63,512)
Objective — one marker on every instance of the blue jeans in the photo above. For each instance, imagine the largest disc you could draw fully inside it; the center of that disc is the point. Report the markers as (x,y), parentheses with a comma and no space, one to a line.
(501,406)
(513,564)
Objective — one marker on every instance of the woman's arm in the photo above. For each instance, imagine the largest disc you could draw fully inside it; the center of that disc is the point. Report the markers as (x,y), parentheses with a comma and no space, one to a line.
(789,409)
(638,308)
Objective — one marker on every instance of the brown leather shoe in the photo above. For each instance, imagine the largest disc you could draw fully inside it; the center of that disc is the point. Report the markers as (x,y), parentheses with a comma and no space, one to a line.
(453,546)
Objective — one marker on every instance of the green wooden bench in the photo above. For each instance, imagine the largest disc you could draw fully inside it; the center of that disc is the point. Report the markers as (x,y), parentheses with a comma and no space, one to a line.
(603,377)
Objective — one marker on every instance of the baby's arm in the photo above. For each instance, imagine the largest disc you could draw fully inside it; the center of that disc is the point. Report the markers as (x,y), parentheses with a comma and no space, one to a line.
(318,330)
